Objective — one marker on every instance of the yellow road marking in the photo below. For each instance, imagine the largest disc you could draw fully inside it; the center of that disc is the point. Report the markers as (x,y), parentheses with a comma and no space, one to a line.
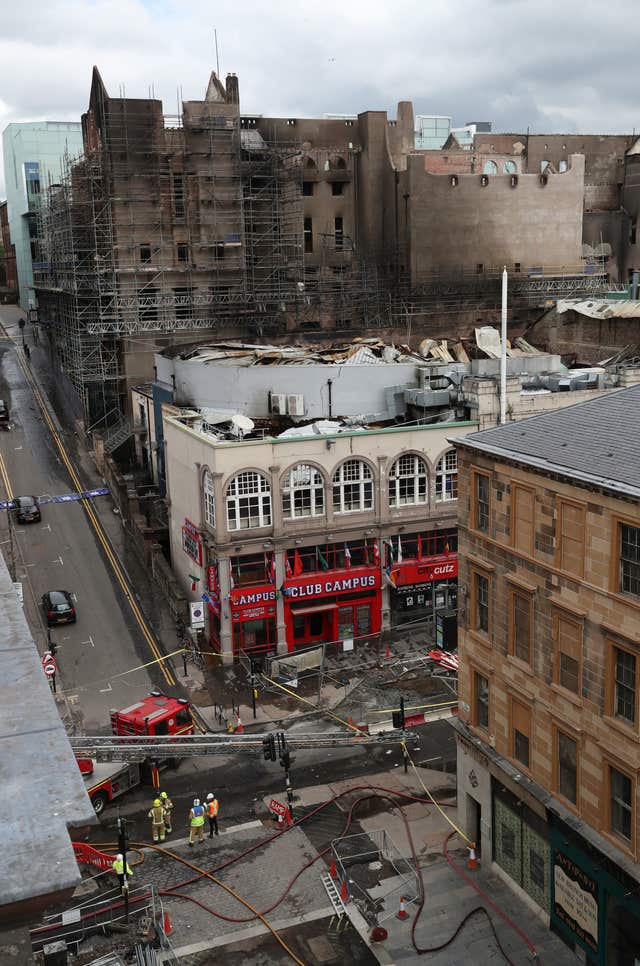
(97,526)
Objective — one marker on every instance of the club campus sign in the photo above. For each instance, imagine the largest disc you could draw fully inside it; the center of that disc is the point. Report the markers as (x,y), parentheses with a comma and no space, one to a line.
(302,589)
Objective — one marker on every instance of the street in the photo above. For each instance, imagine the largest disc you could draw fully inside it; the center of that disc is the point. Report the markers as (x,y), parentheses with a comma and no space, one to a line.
(63,552)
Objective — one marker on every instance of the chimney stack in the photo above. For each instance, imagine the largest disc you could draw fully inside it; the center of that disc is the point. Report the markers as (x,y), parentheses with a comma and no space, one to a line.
(233,91)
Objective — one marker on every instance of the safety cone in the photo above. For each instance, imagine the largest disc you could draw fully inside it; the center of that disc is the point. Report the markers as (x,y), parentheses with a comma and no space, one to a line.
(351,720)
(167,924)
(239,726)
(333,872)
(343,891)
(387,653)
(280,820)
(472,862)
(287,816)
(402,912)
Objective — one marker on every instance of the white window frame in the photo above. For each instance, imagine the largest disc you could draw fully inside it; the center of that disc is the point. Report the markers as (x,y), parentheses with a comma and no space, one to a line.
(447,472)
(209,498)
(354,476)
(248,501)
(409,467)
(308,487)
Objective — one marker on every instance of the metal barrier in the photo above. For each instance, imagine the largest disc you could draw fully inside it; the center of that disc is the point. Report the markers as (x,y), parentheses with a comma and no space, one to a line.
(354,853)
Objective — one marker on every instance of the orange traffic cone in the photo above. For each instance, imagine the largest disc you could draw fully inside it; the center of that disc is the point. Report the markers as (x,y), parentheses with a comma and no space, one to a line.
(351,720)
(402,912)
(287,816)
(332,871)
(239,726)
(343,891)
(472,862)
(387,653)
(167,924)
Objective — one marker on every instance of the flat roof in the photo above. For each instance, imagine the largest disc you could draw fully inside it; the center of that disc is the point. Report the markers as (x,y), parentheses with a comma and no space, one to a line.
(37,769)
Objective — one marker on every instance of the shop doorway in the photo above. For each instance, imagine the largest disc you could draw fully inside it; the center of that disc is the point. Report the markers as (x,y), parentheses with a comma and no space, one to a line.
(313,625)
(474,822)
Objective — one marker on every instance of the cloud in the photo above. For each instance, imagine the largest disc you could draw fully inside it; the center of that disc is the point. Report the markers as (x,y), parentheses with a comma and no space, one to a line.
(549,66)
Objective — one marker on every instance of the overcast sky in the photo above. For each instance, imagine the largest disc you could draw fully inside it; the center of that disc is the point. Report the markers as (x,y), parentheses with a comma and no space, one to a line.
(566,67)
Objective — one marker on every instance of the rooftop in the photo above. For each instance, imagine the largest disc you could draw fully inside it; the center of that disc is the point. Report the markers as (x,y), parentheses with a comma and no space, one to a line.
(36,765)
(601,308)
(593,441)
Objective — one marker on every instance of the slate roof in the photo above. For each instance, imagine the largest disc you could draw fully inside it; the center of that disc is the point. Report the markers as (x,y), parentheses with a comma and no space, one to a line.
(597,441)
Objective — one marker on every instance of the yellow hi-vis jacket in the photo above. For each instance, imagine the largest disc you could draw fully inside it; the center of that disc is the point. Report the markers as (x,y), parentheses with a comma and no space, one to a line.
(118,867)
(156,814)
(197,816)
(212,808)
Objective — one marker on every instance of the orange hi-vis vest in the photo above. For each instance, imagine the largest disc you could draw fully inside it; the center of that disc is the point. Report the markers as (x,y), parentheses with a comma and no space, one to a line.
(212,808)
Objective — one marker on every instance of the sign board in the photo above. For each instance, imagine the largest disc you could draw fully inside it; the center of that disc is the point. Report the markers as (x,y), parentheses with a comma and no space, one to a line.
(49,669)
(425,571)
(575,900)
(317,585)
(192,541)
(347,644)
(277,807)
(196,608)
(49,664)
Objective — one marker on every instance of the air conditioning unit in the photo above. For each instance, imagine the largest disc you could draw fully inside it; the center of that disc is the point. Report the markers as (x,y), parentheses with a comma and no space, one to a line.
(295,405)
(278,403)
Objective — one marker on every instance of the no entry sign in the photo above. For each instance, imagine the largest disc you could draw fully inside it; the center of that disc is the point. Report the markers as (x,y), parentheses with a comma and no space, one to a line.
(49,664)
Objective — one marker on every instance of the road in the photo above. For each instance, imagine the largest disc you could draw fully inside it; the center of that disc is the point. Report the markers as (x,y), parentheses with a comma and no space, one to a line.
(65,552)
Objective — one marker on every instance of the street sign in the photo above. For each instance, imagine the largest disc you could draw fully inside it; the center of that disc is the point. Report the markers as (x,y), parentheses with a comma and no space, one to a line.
(197,613)
(277,807)
(49,664)
(49,670)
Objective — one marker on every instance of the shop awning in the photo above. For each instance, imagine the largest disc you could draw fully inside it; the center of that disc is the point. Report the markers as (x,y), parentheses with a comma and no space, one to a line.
(313,610)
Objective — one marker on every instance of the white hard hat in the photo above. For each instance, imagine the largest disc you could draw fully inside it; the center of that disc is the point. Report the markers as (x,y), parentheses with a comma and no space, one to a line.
(209,796)
(119,857)
(196,801)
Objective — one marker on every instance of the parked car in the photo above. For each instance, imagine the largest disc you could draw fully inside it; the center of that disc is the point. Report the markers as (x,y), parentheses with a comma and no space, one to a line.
(58,607)
(27,509)
(4,413)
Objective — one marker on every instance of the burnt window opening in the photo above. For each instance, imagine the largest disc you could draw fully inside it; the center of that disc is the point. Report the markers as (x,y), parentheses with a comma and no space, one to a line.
(336,188)
(308,235)
(307,188)
(145,253)
(183,252)
(339,233)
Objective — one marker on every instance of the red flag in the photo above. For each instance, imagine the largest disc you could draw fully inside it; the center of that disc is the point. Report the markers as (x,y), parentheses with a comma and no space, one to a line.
(376,552)
(287,566)
(297,564)
(347,556)
(446,549)
(419,546)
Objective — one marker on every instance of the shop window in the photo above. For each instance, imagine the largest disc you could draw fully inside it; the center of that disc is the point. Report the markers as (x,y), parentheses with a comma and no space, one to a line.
(520,624)
(620,804)
(353,487)
(209,499)
(521,733)
(571,523)
(408,481)
(523,503)
(567,634)
(480,700)
(255,635)
(248,502)
(622,682)
(302,492)
(481,495)
(629,552)
(480,601)
(345,623)
(447,477)
(567,767)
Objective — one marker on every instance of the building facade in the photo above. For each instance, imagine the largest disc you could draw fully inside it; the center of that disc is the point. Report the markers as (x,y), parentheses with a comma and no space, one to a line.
(549,644)
(33,155)
(308,539)
(9,280)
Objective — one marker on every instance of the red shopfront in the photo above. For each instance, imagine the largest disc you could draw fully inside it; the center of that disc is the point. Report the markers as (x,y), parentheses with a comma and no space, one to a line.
(253,617)
(332,606)
(423,589)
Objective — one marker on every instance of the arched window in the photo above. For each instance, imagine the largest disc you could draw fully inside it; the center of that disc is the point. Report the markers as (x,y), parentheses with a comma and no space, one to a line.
(209,499)
(248,502)
(352,487)
(408,481)
(543,166)
(447,477)
(490,167)
(302,492)
(509,167)
(338,163)
(563,166)
(309,163)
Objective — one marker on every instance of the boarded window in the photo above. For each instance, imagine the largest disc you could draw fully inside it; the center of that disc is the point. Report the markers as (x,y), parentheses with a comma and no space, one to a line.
(571,535)
(522,517)
(568,652)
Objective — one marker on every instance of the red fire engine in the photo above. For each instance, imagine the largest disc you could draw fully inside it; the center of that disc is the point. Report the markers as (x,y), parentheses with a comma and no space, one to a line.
(156,714)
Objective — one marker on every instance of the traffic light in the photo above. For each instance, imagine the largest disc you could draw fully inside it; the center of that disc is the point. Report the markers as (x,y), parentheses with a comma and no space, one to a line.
(269,748)
(397,717)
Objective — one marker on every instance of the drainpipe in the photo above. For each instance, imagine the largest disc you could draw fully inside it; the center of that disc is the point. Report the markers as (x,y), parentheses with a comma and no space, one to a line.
(634,285)
(329,387)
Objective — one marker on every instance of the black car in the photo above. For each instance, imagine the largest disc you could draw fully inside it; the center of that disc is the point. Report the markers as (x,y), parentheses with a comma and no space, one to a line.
(27,509)
(4,413)
(58,607)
